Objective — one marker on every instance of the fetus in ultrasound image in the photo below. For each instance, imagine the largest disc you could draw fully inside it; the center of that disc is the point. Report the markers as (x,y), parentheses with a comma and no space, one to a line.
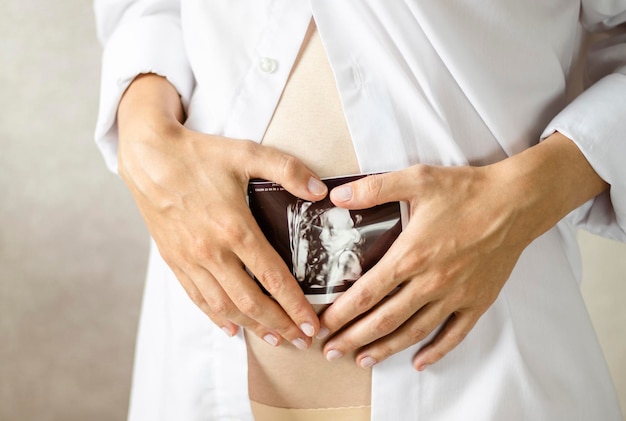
(325,246)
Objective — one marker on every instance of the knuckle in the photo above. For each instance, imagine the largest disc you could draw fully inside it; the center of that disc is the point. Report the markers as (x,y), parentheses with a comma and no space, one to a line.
(438,354)
(229,230)
(374,185)
(196,297)
(437,281)
(199,250)
(364,299)
(440,278)
(404,268)
(415,333)
(422,174)
(385,323)
(384,351)
(286,330)
(331,320)
(349,344)
(249,306)
(419,170)
(457,338)
(295,314)
(469,303)
(288,166)
(247,149)
(206,309)
(273,281)
(221,307)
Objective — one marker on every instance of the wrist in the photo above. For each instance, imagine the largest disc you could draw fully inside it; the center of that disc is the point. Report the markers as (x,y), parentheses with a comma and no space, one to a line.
(149,102)
(547,182)
(149,117)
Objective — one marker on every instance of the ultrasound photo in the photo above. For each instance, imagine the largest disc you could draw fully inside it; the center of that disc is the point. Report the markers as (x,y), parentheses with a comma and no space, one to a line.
(327,248)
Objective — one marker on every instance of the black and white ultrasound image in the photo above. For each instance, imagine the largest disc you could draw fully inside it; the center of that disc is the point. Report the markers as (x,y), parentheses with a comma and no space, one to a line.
(327,248)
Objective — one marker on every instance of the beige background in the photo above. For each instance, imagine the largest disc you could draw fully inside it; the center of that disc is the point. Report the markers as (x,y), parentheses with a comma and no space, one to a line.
(73,249)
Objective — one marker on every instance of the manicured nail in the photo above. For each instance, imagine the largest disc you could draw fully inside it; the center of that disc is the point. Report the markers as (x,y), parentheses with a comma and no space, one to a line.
(308,329)
(316,187)
(367,362)
(342,193)
(333,355)
(323,333)
(423,367)
(271,339)
(299,343)
(227,331)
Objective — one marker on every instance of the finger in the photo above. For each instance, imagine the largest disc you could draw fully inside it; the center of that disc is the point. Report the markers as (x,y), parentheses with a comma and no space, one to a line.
(370,289)
(247,246)
(287,170)
(200,300)
(415,329)
(453,333)
(373,190)
(272,272)
(216,304)
(378,330)
(386,318)
(255,305)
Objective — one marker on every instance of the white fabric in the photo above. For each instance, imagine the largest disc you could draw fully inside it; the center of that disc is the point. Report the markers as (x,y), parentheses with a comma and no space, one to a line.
(440,82)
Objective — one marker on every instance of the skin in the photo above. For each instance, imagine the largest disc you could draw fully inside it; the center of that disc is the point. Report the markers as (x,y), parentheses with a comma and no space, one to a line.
(467,229)
(190,189)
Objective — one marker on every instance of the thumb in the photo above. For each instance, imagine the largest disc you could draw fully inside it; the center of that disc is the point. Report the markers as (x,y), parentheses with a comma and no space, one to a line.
(371,191)
(288,171)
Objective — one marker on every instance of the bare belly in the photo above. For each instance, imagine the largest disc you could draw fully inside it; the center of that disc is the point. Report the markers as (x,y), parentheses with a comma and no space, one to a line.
(309,123)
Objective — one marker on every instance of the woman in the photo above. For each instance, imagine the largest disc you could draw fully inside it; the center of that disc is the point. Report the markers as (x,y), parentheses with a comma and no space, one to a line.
(450,98)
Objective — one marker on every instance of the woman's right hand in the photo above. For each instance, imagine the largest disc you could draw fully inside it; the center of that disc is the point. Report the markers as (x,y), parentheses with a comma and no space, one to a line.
(191,190)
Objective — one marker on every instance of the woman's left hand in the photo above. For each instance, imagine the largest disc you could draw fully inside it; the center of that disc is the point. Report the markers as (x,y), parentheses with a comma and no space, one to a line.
(467,229)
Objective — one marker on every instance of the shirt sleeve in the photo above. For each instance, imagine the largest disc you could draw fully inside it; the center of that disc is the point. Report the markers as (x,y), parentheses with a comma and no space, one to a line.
(138,36)
(596,120)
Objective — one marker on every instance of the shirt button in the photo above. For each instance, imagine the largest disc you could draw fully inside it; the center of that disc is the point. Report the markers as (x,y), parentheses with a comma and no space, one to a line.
(267,65)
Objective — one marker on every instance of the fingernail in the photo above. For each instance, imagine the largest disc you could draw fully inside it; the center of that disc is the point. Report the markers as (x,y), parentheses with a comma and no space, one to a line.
(423,367)
(308,329)
(299,343)
(367,362)
(271,339)
(333,355)
(342,193)
(323,333)
(227,331)
(316,187)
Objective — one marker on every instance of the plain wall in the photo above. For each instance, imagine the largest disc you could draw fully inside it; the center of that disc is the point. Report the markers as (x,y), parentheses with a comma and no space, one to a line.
(73,248)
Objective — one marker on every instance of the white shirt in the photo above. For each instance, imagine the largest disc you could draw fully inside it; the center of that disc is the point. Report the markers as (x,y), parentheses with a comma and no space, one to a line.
(440,82)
